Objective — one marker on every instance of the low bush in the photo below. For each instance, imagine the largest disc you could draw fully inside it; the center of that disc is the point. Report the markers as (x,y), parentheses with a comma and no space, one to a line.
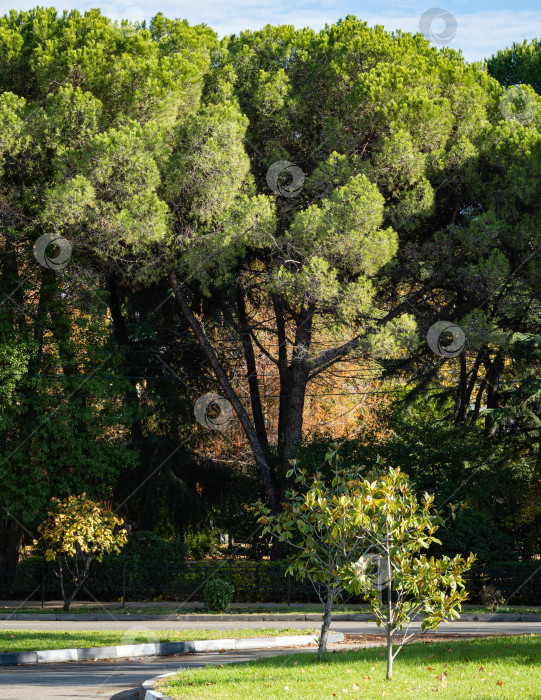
(218,594)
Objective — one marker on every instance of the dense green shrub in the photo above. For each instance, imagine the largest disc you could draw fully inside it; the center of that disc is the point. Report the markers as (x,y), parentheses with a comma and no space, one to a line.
(218,594)
(153,550)
(201,544)
(151,564)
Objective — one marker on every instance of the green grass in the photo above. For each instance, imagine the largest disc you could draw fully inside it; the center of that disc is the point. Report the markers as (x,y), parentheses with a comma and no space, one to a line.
(503,609)
(234,610)
(32,640)
(179,610)
(474,669)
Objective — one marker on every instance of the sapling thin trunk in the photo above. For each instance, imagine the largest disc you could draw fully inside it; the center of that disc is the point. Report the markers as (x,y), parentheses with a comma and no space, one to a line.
(325,627)
(389,655)
(389,610)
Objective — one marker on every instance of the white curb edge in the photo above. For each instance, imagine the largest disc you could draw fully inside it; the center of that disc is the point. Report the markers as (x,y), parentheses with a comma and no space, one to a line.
(158,648)
(148,691)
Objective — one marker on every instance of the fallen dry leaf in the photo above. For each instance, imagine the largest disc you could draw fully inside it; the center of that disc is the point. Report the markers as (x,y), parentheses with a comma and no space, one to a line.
(355,687)
(443,678)
(366,678)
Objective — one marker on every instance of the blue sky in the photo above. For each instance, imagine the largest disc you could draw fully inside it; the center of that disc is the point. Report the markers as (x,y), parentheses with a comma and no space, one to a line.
(482,26)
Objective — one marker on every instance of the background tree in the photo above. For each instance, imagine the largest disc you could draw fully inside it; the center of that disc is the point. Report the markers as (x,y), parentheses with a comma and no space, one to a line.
(520,64)
(77,532)
(148,147)
(89,397)
(394,202)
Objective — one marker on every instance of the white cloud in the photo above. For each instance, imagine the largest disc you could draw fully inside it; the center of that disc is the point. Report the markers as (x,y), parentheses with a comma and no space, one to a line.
(479,34)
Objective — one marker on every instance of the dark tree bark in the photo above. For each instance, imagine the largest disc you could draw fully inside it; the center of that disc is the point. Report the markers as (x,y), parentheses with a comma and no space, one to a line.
(10,543)
(257,449)
(251,368)
(494,371)
(129,364)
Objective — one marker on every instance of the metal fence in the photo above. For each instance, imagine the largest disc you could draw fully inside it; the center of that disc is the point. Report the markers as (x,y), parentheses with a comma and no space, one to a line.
(253,581)
(123,580)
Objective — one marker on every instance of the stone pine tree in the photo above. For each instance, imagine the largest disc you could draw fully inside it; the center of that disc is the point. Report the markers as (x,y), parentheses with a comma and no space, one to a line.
(400,158)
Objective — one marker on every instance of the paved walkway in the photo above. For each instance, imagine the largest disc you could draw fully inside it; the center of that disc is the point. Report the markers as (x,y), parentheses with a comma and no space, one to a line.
(114,681)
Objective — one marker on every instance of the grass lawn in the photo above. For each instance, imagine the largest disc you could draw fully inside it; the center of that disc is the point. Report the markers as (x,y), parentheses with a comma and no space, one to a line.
(179,610)
(507,667)
(253,610)
(32,640)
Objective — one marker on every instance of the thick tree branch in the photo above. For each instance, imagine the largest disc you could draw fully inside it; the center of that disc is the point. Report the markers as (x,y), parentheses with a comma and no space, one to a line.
(229,392)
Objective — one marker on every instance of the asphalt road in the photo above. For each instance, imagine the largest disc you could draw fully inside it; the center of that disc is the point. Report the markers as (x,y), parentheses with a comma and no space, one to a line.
(120,680)
(337,626)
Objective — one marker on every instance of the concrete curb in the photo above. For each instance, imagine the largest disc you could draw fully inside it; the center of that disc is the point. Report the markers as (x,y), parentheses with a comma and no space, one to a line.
(285,617)
(158,648)
(148,691)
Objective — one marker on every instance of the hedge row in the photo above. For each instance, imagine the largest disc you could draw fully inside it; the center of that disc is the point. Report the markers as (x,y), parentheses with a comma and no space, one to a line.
(177,579)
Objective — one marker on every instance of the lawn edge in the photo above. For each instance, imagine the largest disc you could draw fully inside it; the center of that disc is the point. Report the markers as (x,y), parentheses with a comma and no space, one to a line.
(280,617)
(158,649)
(148,690)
